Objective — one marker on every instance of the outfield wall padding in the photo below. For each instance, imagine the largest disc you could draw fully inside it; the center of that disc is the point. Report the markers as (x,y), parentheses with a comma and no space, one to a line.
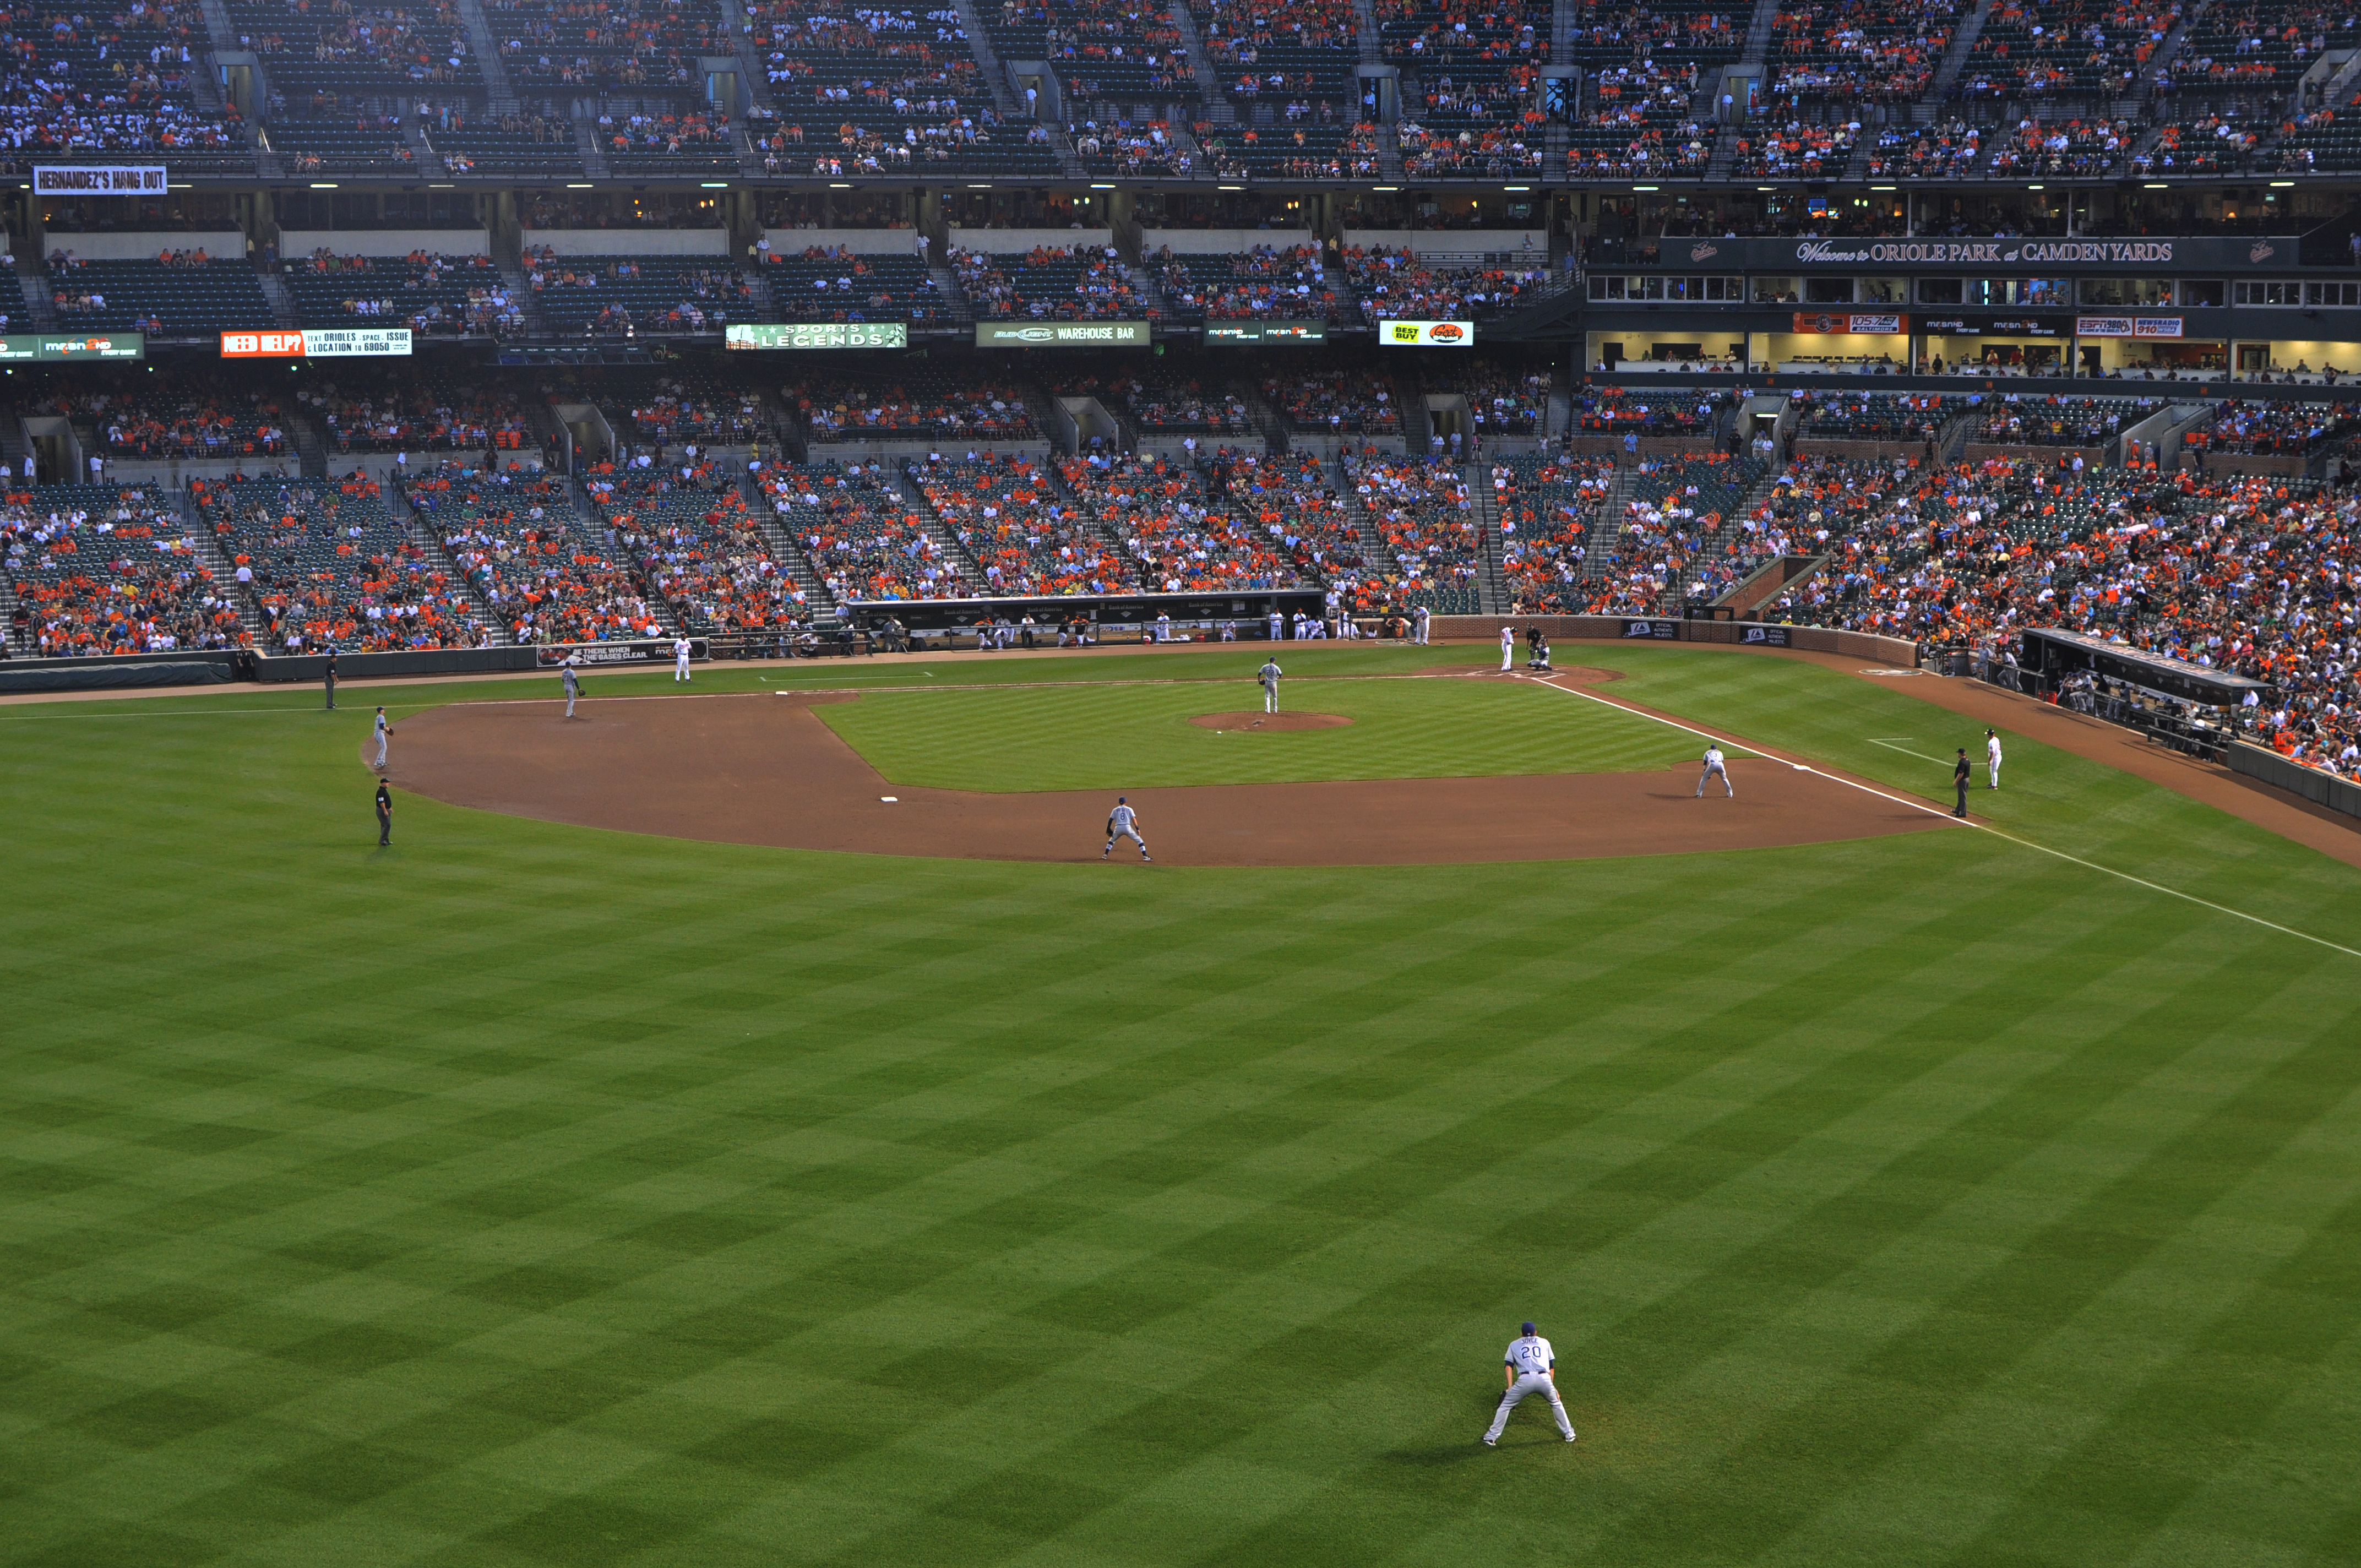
(103,674)
(1897,652)
(2321,789)
(289,667)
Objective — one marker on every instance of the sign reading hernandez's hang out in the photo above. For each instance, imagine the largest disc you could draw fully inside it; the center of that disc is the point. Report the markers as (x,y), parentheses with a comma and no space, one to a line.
(334,343)
(99,180)
(1266,332)
(1816,322)
(818,335)
(20,346)
(1427,334)
(2028,256)
(1061,334)
(2127,326)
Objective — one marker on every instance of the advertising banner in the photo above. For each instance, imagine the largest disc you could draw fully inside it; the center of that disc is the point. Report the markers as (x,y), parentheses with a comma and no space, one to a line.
(99,180)
(338,342)
(1819,321)
(1764,636)
(1266,332)
(1668,630)
(1061,334)
(1427,334)
(51,345)
(591,654)
(2156,327)
(2127,326)
(818,335)
(2036,257)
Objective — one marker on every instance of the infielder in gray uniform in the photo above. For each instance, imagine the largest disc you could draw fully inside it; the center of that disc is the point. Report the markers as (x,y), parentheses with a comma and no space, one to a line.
(1531,1367)
(572,685)
(1123,822)
(1268,675)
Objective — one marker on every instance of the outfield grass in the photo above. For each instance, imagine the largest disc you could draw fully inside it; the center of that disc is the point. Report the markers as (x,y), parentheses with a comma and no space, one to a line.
(1105,736)
(532,1195)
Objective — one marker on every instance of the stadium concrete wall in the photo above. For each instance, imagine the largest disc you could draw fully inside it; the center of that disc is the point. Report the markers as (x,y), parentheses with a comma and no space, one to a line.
(98,674)
(1015,242)
(861,242)
(1533,243)
(1895,652)
(296,243)
(1221,242)
(2321,789)
(630,242)
(228,243)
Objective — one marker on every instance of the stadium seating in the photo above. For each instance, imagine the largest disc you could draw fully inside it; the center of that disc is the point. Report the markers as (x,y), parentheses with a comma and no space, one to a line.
(2017,420)
(1085,283)
(419,50)
(193,416)
(1294,499)
(1549,509)
(1502,400)
(1872,416)
(1673,33)
(699,548)
(1614,410)
(433,295)
(406,411)
(531,556)
(1424,520)
(519,147)
(2274,429)
(1334,402)
(1264,284)
(366,144)
(862,536)
(1024,537)
(332,568)
(912,403)
(637,293)
(822,285)
(101,569)
(1399,285)
(177,299)
(1302,51)
(646,48)
(1846,52)
(1182,538)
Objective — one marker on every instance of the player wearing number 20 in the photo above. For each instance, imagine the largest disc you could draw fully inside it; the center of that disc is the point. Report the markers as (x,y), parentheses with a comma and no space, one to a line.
(1531,1369)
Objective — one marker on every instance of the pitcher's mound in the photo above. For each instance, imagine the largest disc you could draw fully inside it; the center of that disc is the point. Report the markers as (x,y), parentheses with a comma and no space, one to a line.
(1266,721)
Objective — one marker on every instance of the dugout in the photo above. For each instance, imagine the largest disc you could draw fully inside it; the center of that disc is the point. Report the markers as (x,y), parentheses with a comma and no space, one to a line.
(2056,655)
(1123,615)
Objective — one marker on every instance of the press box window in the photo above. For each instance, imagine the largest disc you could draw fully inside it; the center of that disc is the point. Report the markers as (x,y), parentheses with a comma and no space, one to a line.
(2017,292)
(1880,290)
(2203,292)
(1714,291)
(2331,293)
(1776,292)
(2127,291)
(1939,291)
(2265,293)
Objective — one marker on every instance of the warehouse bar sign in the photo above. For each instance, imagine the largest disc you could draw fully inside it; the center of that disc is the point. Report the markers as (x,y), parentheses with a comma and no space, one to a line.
(99,180)
(818,335)
(2043,256)
(334,343)
(19,347)
(1818,322)
(1061,334)
(1427,334)
(2127,326)
(1266,332)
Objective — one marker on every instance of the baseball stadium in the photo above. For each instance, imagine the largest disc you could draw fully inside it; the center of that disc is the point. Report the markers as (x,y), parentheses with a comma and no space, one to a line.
(800,785)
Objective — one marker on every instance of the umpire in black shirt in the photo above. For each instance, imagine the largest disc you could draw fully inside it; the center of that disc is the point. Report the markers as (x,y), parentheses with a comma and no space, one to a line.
(385,811)
(332,680)
(1960,774)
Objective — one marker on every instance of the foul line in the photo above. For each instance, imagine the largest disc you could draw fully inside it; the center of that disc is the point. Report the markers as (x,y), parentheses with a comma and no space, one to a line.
(1981,827)
(1904,750)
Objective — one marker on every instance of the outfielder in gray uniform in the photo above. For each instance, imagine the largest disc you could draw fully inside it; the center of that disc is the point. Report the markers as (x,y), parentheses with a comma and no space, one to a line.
(1268,675)
(572,685)
(1531,1369)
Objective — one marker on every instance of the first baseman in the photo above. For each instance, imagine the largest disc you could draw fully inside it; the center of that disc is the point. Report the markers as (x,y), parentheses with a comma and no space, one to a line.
(1992,756)
(1268,675)
(1123,822)
(1715,764)
(384,731)
(1532,1369)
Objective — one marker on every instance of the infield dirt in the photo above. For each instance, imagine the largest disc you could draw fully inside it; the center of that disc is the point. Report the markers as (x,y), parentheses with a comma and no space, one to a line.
(762,769)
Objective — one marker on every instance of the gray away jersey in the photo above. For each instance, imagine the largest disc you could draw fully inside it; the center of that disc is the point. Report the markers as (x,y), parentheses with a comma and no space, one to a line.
(1531,1354)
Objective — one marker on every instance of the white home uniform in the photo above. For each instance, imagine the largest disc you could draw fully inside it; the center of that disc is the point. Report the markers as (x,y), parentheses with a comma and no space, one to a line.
(1123,822)
(1268,675)
(383,731)
(1715,765)
(680,658)
(1508,647)
(1530,1361)
(573,687)
(1278,627)
(1991,757)
(1418,617)
(1163,628)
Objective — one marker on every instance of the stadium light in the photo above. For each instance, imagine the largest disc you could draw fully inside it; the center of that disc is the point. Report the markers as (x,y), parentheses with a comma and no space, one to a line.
(1766,188)
(578,185)
(2033,187)
(1881,187)
(2276,184)
(1635,187)
(1528,187)
(2155,185)
(1229,186)
(1096,187)
(839,184)
(1384,187)
(442,187)
(322,185)
(713,184)
(986,186)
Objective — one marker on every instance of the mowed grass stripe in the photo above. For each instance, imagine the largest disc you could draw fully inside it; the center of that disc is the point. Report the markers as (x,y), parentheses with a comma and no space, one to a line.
(1140,737)
(564,1321)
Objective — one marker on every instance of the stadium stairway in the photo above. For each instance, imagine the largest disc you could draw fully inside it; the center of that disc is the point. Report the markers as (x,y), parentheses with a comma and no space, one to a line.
(1373,543)
(219,26)
(1491,579)
(594,157)
(1766,581)
(1599,549)
(499,92)
(311,449)
(16,647)
(38,305)
(423,537)
(753,74)
(1955,60)
(945,536)
(784,549)
(1267,419)
(282,304)
(1209,82)
(209,550)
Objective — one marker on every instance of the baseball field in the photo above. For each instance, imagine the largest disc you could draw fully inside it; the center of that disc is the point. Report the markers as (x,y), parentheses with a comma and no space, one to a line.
(534,1193)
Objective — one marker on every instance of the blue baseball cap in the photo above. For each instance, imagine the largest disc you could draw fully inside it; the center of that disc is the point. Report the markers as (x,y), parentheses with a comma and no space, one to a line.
(1529,1328)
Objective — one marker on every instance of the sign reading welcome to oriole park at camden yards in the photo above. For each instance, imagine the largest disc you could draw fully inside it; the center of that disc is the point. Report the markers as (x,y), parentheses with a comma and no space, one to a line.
(1061,334)
(818,335)
(99,180)
(332,343)
(1427,334)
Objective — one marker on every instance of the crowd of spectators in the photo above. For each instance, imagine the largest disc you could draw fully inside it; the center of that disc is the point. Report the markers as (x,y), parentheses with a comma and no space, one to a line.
(1183,539)
(1618,411)
(1087,283)
(328,567)
(1489,151)
(2273,429)
(1264,283)
(424,291)
(1872,416)
(108,569)
(1797,150)
(2014,420)
(1334,401)
(610,44)
(1174,402)
(861,537)
(1424,524)
(2077,148)
(1147,151)
(1397,285)
(1294,499)
(1673,545)
(699,549)
(1501,400)
(1841,49)
(698,416)
(1927,152)
(1024,537)
(530,556)
(408,414)
(1549,509)
(189,416)
(840,408)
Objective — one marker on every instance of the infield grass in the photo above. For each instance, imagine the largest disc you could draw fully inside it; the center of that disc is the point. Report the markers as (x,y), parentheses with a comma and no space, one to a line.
(527,1195)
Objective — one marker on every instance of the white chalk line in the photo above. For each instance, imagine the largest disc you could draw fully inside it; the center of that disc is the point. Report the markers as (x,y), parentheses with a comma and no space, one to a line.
(1904,750)
(1982,827)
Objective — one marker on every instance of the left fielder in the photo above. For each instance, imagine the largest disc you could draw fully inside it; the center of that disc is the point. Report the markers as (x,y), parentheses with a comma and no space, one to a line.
(1715,764)
(1531,1367)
